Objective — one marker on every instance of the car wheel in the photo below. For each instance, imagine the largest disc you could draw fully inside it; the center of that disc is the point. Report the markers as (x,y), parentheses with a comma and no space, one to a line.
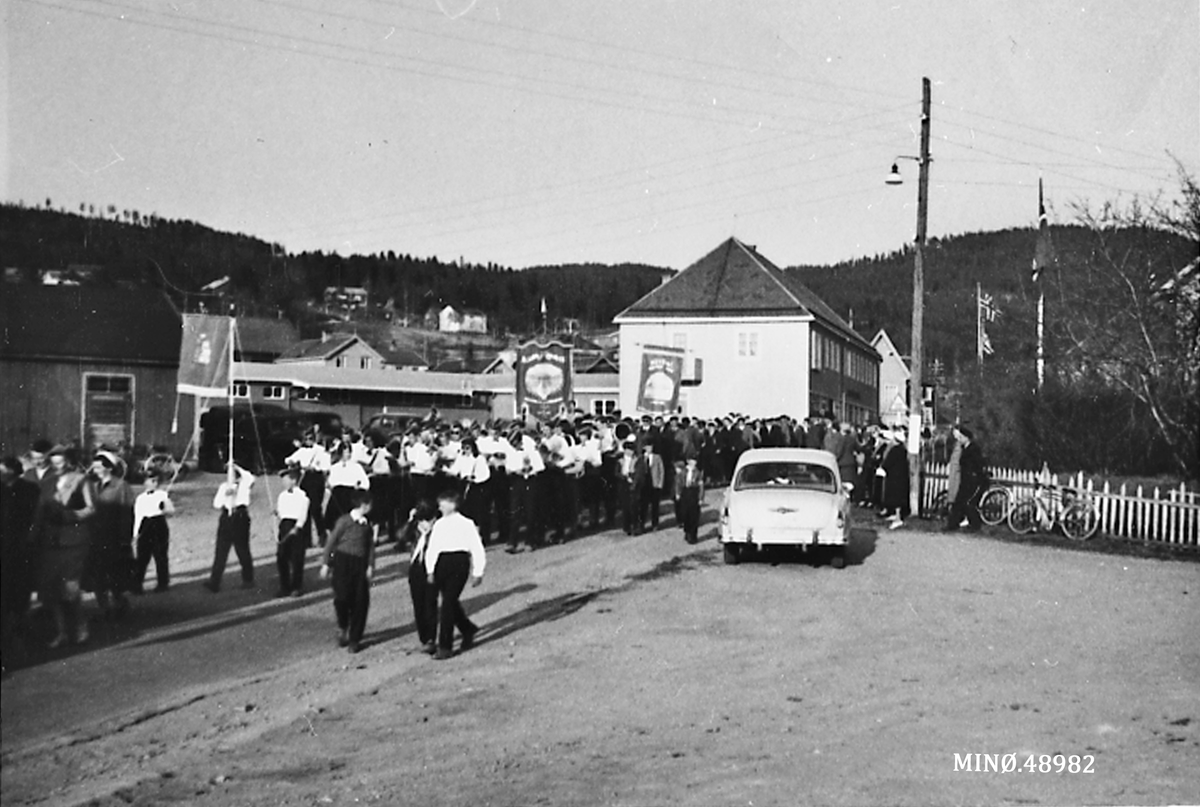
(732,555)
(838,561)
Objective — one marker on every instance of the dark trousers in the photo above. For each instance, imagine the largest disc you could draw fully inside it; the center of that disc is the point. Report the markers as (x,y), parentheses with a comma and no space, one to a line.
(965,504)
(648,499)
(496,493)
(627,494)
(289,557)
(233,530)
(689,513)
(341,501)
(424,600)
(153,539)
(449,580)
(523,511)
(351,594)
(475,507)
(313,485)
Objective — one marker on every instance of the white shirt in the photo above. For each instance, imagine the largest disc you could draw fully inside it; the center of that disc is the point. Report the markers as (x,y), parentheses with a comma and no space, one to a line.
(348,474)
(293,504)
(149,504)
(359,453)
(236,495)
(421,459)
(473,469)
(310,458)
(526,460)
(589,450)
(380,462)
(455,533)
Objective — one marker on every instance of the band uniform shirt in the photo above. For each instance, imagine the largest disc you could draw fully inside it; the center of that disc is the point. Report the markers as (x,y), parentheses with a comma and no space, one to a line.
(348,474)
(230,497)
(150,504)
(455,533)
(293,504)
(421,459)
(310,458)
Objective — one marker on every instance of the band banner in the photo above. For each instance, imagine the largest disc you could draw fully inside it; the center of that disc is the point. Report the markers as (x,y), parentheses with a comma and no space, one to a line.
(658,389)
(544,379)
(204,356)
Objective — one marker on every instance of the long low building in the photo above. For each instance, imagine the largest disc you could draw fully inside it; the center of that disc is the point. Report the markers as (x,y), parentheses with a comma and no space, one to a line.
(355,394)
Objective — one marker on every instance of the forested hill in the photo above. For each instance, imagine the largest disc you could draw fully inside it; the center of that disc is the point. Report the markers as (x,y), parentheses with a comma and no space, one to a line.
(183,256)
(878,290)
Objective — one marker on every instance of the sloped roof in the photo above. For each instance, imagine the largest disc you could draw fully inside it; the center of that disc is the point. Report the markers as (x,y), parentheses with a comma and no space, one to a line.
(266,335)
(323,349)
(735,280)
(55,323)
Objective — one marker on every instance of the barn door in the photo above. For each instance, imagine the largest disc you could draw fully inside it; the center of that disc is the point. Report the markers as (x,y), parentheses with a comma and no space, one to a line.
(107,410)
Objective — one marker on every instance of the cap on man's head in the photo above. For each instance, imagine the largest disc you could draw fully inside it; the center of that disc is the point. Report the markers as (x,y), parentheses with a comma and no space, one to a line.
(42,446)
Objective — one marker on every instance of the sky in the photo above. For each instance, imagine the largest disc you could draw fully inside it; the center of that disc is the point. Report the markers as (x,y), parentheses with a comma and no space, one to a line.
(553,131)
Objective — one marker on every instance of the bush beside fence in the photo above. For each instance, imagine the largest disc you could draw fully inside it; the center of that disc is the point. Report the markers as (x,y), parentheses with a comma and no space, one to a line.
(1169,517)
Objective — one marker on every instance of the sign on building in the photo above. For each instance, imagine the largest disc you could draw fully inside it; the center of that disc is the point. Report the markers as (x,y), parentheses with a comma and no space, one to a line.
(658,387)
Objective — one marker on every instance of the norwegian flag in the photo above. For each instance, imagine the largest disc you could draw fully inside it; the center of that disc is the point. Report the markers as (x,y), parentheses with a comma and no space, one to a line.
(987,308)
(1043,253)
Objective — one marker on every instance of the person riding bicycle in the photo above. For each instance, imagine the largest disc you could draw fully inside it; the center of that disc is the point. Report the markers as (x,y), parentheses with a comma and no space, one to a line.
(973,479)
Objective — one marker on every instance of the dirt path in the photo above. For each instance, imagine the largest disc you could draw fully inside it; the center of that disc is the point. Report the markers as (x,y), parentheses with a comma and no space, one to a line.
(641,671)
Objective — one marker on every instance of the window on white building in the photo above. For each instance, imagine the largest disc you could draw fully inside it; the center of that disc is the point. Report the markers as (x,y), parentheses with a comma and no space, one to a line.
(603,406)
(340,361)
(364,363)
(747,345)
(274,392)
(239,390)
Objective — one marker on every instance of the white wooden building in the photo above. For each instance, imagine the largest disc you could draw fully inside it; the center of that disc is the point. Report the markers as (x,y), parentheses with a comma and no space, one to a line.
(756,341)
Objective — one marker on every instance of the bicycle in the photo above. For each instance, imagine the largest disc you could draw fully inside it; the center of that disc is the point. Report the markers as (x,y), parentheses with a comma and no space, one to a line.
(1053,507)
(995,504)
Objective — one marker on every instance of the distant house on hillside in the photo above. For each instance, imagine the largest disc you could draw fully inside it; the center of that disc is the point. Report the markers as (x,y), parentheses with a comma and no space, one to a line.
(767,344)
(894,376)
(346,298)
(470,320)
(402,358)
(339,351)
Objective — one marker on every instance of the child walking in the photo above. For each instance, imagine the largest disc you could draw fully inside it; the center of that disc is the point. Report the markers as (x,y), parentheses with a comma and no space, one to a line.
(291,509)
(453,554)
(350,565)
(150,511)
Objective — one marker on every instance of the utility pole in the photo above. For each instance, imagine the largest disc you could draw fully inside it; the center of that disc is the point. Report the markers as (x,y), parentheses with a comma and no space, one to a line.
(916,410)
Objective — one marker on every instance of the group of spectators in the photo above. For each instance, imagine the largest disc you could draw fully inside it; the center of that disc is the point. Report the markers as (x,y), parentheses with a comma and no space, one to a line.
(69,527)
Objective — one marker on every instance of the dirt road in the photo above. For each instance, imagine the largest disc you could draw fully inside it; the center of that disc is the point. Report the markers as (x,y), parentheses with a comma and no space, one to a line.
(642,671)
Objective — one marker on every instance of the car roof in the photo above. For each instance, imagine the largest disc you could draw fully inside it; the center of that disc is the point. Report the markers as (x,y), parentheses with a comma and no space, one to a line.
(814,456)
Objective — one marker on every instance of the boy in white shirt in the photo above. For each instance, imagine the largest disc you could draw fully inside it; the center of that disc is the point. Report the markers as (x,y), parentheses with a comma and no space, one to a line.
(291,511)
(453,553)
(150,511)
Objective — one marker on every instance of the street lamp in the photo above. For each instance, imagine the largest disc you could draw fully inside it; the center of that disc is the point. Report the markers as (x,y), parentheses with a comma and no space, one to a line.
(915,416)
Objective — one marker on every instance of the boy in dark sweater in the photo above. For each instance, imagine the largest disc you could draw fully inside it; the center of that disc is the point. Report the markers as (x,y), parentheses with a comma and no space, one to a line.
(350,564)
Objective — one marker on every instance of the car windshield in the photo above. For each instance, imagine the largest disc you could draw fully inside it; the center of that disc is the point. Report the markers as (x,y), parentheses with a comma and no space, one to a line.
(802,475)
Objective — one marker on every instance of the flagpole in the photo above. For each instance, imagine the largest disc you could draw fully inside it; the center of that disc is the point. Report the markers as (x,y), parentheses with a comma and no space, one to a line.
(978,324)
(1041,339)
(229,469)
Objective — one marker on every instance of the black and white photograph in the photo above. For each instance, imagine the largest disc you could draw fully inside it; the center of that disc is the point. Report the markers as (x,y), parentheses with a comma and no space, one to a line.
(674,402)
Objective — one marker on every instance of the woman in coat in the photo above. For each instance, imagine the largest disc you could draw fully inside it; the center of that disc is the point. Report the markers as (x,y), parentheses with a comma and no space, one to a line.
(109,568)
(64,541)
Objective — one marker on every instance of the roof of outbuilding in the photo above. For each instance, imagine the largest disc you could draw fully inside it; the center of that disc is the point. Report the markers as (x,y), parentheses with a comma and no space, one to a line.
(735,280)
(55,323)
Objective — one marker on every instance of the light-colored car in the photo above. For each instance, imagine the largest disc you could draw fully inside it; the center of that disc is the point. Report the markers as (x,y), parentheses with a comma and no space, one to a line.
(786,497)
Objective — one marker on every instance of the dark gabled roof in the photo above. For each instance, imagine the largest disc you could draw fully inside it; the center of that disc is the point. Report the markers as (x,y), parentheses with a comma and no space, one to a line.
(101,323)
(263,335)
(398,356)
(735,280)
(324,348)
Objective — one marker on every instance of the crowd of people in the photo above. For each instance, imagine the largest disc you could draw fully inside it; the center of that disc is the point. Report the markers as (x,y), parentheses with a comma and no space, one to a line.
(71,527)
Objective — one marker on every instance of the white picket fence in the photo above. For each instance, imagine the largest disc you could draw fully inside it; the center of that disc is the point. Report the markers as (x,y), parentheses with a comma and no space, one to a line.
(1167,517)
